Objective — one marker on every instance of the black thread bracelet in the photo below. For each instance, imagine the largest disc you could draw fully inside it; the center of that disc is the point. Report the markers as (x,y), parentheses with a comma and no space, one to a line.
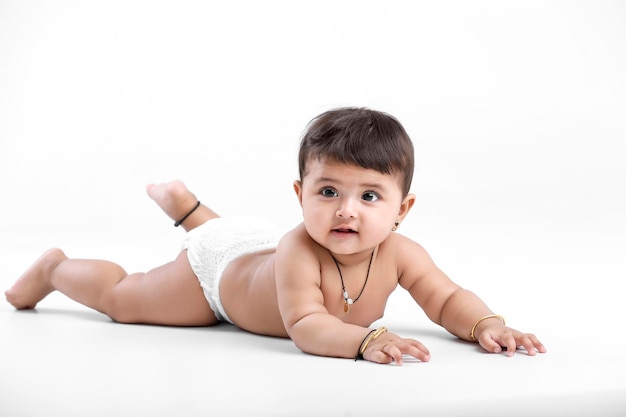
(178,223)
(359,355)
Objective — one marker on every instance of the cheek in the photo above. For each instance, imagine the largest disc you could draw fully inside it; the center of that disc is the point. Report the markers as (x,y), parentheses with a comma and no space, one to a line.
(313,214)
(314,205)
(382,230)
(384,220)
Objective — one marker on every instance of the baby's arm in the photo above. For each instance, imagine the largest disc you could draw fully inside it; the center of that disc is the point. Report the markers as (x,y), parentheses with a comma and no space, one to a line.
(301,303)
(459,311)
(310,325)
(467,316)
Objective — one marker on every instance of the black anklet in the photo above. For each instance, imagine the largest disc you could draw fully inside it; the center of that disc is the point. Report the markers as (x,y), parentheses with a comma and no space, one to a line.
(178,223)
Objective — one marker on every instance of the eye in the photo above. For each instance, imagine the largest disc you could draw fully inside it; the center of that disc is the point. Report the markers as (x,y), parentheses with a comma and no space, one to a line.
(328,192)
(370,196)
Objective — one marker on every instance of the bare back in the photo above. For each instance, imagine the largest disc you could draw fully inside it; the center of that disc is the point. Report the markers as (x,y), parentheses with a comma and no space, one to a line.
(248,294)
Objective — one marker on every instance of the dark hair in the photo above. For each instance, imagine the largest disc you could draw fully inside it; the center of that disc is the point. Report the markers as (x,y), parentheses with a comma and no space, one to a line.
(362,137)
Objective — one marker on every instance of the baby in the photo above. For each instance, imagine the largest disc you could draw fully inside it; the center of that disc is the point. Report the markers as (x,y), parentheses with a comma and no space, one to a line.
(322,284)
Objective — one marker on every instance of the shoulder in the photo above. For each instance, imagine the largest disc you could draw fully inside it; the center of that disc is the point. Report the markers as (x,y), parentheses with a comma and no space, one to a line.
(404,247)
(297,249)
(297,239)
(411,258)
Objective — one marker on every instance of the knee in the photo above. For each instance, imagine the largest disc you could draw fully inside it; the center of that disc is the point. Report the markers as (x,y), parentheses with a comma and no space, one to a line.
(119,314)
(120,308)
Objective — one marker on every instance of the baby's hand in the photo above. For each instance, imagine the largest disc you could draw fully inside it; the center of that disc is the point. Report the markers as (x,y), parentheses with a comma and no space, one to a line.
(389,347)
(496,336)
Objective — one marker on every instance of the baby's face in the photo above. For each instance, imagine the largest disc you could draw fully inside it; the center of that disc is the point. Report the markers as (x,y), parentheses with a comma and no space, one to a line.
(348,209)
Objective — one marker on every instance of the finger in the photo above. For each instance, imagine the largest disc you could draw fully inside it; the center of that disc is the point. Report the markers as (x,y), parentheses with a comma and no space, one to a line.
(421,347)
(418,351)
(532,344)
(496,342)
(412,347)
(378,356)
(538,345)
(394,352)
(490,344)
(527,344)
(510,343)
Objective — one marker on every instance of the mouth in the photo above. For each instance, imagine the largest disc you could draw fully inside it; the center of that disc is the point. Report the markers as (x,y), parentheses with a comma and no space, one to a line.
(344,230)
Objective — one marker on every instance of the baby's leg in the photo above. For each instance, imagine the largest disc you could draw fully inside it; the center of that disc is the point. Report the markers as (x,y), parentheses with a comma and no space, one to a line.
(167,295)
(176,201)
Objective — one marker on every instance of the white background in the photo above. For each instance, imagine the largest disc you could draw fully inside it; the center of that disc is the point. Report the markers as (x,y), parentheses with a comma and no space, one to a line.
(517,111)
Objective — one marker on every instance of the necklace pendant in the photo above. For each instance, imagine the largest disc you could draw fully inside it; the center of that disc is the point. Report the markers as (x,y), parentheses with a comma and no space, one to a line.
(346,305)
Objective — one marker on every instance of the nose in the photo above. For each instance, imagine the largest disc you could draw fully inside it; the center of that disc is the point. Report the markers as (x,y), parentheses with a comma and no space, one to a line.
(347,209)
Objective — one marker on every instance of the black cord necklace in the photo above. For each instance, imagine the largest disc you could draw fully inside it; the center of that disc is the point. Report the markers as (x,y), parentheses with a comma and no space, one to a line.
(347,300)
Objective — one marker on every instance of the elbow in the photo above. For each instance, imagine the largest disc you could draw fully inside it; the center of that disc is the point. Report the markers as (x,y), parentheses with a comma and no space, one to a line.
(445,305)
(296,330)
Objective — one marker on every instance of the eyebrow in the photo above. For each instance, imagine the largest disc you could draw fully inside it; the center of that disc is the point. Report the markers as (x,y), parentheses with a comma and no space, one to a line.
(364,185)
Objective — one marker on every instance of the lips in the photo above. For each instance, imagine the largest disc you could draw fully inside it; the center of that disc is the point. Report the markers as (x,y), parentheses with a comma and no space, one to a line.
(344,230)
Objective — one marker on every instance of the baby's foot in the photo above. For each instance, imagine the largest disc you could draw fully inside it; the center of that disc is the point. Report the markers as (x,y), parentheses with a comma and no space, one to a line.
(173,197)
(34,284)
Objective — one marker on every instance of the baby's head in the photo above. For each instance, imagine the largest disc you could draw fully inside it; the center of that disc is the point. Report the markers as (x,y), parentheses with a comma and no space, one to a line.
(361,137)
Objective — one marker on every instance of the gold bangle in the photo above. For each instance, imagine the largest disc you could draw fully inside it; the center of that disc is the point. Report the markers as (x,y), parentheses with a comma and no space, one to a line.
(371,336)
(491,316)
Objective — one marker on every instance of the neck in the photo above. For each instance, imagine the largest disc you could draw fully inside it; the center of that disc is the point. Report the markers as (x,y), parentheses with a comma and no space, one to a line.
(354,259)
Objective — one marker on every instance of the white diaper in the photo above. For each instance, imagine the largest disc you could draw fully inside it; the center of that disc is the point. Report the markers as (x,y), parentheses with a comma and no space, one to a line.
(213,245)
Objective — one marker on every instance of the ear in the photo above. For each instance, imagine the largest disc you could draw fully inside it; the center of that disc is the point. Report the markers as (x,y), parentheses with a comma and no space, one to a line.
(405,206)
(297,187)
